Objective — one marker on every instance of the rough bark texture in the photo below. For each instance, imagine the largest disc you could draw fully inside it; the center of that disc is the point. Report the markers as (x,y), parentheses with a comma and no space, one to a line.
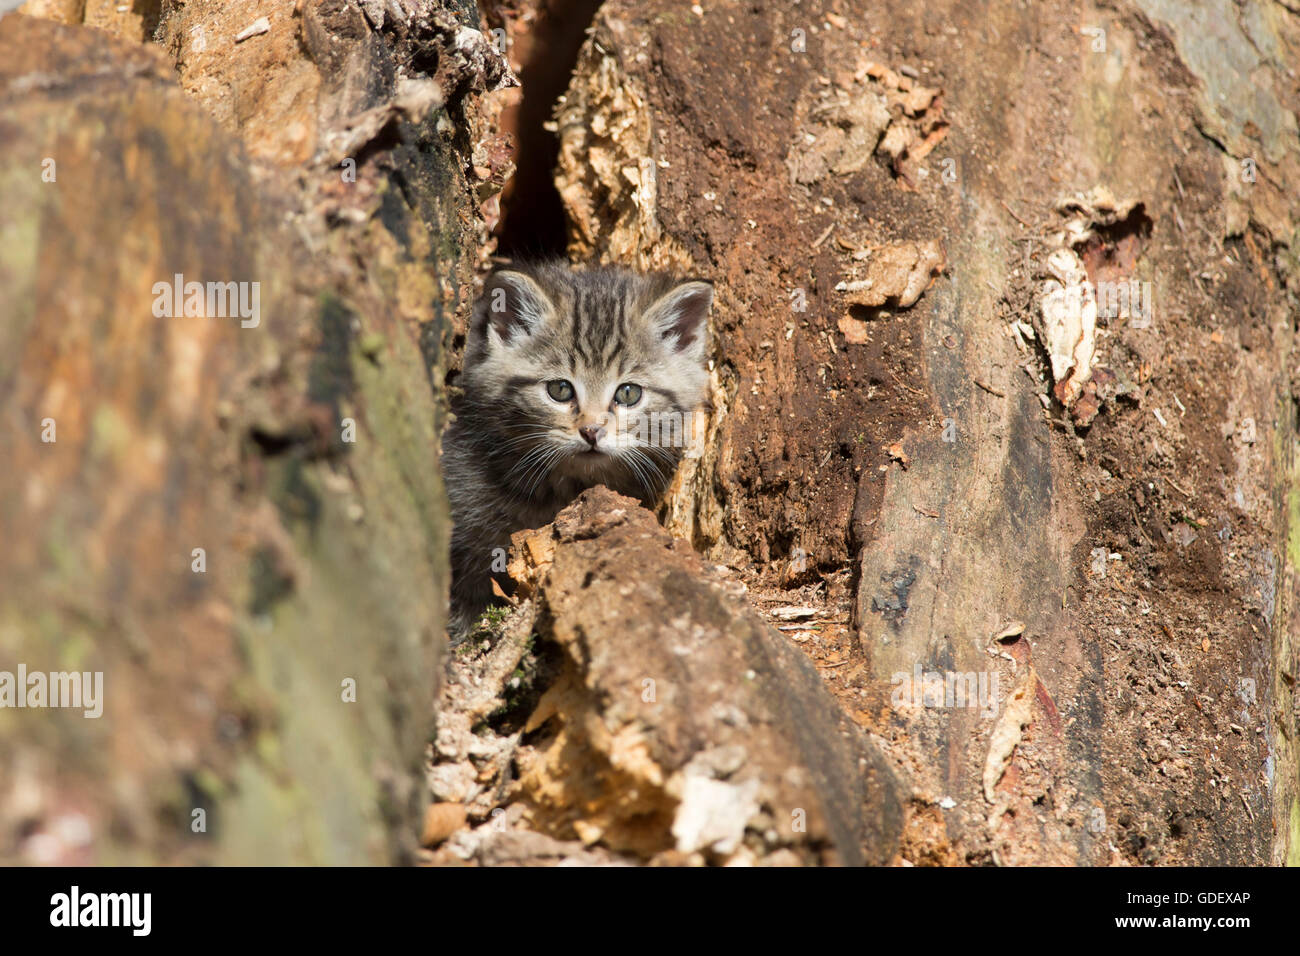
(910,471)
(682,720)
(299,454)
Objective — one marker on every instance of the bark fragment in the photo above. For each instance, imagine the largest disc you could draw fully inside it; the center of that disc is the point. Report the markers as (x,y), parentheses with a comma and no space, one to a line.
(681,721)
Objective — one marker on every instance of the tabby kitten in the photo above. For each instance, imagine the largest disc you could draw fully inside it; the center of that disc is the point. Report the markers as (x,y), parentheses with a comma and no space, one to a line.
(563,371)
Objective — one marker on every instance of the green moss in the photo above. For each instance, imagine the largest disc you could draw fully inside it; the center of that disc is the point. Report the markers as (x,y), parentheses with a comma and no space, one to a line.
(209,783)
(522,689)
(494,617)
(111,436)
(372,345)
(364,603)
(74,651)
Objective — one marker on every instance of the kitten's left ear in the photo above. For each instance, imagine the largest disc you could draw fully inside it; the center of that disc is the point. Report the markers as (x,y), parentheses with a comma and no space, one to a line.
(680,315)
(512,306)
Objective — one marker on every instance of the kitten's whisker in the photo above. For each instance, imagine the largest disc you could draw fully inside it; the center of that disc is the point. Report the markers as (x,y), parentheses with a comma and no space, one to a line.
(531,479)
(520,470)
(667,453)
(531,436)
(643,472)
(538,445)
(536,459)
(547,465)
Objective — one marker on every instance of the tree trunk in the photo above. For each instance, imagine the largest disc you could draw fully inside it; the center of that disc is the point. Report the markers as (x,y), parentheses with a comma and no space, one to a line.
(908,460)
(236,517)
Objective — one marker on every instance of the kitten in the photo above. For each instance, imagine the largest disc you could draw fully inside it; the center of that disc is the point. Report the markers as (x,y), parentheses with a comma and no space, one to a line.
(564,371)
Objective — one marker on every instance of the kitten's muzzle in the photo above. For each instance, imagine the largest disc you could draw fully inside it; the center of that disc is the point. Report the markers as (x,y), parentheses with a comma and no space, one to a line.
(592,434)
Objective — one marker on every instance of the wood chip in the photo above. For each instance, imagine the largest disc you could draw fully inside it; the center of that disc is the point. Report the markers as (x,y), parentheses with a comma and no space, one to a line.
(793,612)
(1014,629)
(1016,714)
(256,28)
(441,820)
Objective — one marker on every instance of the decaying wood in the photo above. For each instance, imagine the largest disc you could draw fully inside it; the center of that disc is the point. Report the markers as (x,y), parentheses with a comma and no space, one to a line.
(910,444)
(681,724)
(240,523)
(888,132)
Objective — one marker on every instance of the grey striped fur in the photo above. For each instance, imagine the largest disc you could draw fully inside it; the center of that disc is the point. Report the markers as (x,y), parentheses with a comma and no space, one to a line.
(513,456)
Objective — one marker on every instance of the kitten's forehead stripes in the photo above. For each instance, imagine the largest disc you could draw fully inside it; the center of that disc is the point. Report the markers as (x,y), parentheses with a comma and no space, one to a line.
(597,334)
(575,320)
(669,395)
(614,340)
(597,321)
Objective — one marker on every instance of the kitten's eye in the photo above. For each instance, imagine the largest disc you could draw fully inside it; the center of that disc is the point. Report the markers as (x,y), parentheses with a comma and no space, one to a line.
(627,394)
(560,389)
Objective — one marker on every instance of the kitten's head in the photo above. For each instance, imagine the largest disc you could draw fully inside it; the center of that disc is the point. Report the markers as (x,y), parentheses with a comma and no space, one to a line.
(593,376)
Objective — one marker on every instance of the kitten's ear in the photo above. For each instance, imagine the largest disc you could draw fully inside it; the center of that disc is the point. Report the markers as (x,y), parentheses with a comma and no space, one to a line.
(512,305)
(680,316)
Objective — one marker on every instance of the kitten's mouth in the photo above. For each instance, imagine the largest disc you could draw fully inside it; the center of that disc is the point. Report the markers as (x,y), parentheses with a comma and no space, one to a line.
(589,462)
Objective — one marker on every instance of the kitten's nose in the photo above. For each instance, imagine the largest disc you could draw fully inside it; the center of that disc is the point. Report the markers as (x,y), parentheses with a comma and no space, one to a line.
(592,433)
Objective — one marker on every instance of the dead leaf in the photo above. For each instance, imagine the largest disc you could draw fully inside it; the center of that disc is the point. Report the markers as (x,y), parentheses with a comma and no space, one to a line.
(500,592)
(1068,309)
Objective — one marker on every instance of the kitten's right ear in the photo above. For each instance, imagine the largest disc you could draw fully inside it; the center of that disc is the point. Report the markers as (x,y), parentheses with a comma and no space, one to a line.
(681,315)
(512,305)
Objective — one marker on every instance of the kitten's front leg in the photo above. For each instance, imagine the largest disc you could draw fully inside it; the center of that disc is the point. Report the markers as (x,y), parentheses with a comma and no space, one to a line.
(472,566)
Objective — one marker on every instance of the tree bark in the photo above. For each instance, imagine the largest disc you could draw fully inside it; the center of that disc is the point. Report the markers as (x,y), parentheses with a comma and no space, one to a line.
(238,521)
(913,461)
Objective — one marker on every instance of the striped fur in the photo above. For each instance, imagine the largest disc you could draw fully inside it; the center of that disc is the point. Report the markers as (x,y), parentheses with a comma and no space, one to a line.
(513,456)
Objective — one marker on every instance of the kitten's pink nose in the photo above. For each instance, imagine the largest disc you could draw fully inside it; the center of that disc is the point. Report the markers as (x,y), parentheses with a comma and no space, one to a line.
(592,433)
